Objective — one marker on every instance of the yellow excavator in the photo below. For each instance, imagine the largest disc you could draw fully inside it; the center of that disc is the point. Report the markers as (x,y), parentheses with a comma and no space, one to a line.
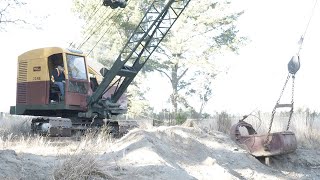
(88,103)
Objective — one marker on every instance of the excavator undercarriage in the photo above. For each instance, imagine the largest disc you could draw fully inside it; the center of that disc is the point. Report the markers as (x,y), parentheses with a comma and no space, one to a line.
(65,127)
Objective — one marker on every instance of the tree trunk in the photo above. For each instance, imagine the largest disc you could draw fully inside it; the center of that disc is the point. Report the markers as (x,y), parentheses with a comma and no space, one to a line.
(174,85)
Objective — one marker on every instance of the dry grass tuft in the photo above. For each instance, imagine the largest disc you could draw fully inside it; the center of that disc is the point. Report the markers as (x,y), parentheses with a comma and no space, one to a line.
(223,122)
(15,126)
(306,126)
(83,163)
(79,166)
(15,135)
(96,139)
(76,158)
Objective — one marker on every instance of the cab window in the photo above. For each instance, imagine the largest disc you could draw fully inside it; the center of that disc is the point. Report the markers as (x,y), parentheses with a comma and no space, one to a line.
(76,67)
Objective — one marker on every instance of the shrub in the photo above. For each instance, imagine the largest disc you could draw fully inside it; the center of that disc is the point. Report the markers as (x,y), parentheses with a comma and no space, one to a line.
(181,118)
(223,122)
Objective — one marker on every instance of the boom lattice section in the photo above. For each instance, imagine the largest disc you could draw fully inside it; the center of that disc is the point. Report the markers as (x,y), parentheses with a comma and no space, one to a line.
(157,21)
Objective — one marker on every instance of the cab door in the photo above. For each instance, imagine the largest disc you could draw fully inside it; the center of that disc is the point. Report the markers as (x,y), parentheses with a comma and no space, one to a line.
(77,83)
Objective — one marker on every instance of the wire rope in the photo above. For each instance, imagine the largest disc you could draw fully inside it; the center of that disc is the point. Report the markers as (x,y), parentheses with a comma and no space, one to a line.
(106,30)
(96,28)
(307,27)
(93,13)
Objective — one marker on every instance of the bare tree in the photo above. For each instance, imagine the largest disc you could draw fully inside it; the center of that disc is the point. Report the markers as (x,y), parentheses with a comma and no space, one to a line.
(7,7)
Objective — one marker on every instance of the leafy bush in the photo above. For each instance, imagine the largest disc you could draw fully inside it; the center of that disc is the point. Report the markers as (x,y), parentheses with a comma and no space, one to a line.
(181,118)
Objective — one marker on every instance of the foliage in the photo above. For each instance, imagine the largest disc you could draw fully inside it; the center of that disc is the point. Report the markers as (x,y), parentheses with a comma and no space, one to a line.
(138,105)
(186,57)
(202,90)
(224,122)
(181,117)
(105,30)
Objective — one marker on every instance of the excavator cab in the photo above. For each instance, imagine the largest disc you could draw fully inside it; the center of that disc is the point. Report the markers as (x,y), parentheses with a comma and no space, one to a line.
(36,94)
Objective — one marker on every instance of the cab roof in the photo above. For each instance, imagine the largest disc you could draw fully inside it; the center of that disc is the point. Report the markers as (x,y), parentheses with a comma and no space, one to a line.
(46,52)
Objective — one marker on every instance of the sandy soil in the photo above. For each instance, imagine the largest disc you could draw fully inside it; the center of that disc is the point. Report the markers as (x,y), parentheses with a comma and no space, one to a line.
(178,152)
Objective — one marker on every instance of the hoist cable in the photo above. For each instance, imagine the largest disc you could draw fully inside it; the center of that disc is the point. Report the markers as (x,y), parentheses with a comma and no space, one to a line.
(98,29)
(307,27)
(93,13)
(95,24)
(95,29)
(104,33)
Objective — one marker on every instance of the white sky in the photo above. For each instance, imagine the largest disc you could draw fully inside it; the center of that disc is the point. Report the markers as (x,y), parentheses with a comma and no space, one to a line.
(254,79)
(58,29)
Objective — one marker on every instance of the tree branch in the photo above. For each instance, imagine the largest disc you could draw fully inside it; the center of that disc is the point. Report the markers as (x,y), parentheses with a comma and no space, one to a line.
(163,51)
(3,13)
(3,10)
(161,71)
(183,86)
(183,73)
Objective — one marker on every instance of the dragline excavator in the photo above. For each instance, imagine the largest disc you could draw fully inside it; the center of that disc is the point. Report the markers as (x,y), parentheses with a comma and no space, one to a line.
(86,103)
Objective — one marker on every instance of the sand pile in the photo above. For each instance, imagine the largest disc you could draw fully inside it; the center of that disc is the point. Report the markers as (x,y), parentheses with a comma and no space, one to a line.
(179,152)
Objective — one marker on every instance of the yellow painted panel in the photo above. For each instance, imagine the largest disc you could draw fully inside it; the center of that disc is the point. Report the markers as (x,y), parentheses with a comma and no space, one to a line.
(40,53)
(95,74)
(38,70)
(33,70)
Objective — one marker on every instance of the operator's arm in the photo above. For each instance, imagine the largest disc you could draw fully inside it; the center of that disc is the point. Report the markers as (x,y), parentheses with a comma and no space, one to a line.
(54,75)
(64,75)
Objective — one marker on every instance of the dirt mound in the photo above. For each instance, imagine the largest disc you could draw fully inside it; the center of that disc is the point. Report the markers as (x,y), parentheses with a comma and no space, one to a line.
(303,163)
(179,152)
(24,166)
(182,153)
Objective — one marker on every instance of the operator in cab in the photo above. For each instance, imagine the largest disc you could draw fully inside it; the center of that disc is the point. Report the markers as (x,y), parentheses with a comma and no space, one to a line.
(58,78)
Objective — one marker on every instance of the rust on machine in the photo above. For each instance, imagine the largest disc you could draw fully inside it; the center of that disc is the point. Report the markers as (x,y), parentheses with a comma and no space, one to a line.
(277,143)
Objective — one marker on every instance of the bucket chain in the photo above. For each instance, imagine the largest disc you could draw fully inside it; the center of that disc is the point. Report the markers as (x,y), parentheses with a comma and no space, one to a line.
(292,102)
(274,110)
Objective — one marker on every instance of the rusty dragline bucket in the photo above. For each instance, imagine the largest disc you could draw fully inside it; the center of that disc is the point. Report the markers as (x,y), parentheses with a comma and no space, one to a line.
(277,143)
